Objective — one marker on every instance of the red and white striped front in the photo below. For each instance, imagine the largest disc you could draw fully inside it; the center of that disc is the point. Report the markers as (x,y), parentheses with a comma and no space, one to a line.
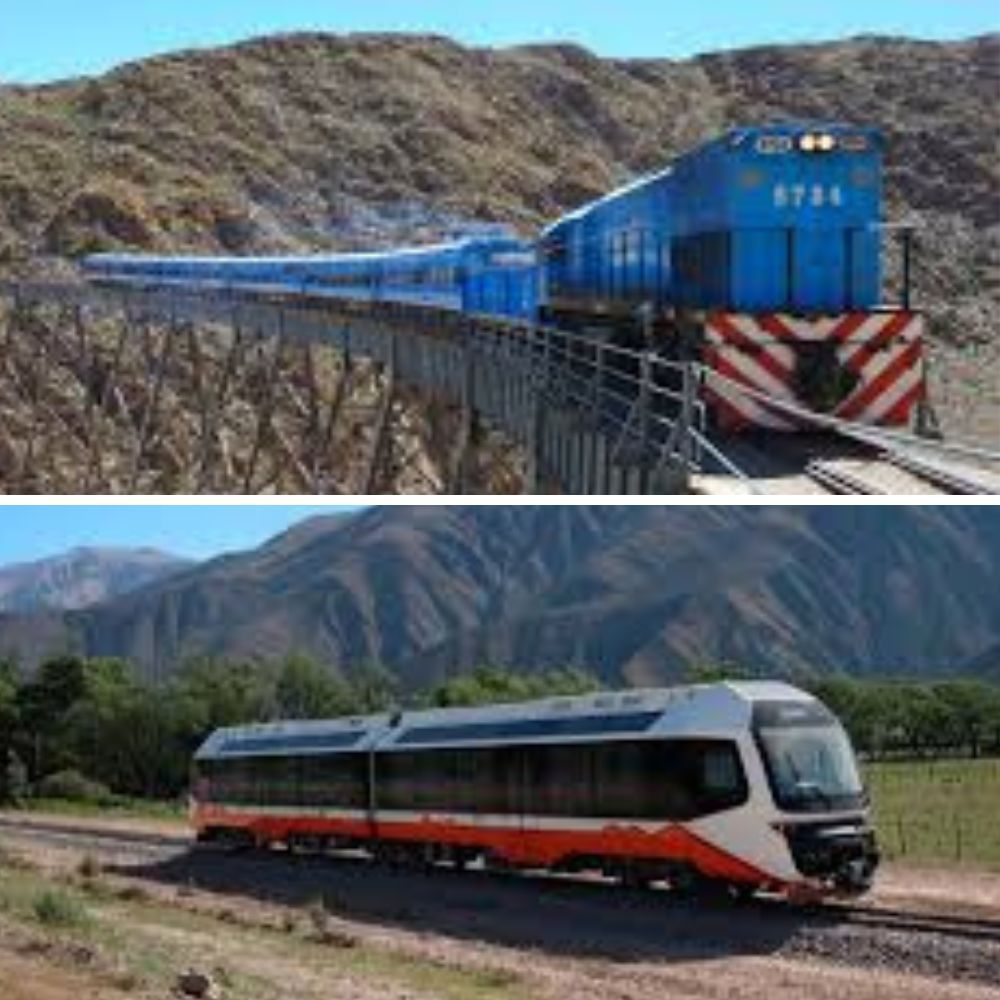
(884,351)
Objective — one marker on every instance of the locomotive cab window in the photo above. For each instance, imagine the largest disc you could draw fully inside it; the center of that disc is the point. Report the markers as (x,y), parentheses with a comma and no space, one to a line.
(808,757)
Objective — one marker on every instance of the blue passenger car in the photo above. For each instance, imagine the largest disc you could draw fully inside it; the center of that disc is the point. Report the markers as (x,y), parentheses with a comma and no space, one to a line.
(491,275)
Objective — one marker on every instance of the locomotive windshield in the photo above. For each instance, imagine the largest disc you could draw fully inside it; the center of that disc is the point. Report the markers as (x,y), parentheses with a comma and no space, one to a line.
(808,757)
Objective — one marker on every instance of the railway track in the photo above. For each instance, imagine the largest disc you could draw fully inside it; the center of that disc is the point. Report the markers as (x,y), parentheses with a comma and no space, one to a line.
(160,846)
(871,476)
(963,926)
(894,473)
(835,479)
(954,481)
(84,836)
(882,463)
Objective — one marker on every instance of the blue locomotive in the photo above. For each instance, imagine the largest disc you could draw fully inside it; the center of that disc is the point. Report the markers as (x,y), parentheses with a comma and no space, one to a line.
(761,219)
(757,254)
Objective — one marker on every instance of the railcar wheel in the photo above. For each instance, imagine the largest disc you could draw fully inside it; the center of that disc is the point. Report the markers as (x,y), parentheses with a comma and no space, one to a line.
(636,876)
(689,883)
(739,892)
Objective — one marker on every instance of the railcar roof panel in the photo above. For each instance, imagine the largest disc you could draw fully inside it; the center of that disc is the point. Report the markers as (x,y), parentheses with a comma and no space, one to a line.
(702,709)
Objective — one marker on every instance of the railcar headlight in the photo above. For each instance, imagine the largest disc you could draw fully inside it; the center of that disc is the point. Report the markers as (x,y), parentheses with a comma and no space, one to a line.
(820,142)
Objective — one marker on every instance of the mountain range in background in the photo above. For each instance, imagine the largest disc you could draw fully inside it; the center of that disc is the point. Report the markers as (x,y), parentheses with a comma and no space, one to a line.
(315,141)
(82,577)
(635,594)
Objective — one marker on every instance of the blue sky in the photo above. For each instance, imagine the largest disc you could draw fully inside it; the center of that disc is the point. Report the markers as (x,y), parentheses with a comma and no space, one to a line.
(34,531)
(49,39)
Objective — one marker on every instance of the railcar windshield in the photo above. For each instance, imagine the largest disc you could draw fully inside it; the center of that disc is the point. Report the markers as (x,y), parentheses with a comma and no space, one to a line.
(809,759)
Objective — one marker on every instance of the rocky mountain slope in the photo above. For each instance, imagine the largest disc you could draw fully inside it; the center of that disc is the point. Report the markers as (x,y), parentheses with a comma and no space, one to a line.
(634,593)
(82,577)
(316,141)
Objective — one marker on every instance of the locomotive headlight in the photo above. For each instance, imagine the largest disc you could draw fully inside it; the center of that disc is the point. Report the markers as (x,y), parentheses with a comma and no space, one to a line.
(826,143)
(807,143)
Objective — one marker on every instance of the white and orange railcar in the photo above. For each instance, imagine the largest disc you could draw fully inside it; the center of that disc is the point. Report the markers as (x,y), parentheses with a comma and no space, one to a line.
(749,786)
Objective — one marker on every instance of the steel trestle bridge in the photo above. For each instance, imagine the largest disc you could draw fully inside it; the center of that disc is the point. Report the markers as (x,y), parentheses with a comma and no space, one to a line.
(590,417)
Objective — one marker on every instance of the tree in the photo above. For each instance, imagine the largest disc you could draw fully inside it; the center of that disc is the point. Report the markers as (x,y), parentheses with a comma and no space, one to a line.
(306,690)
(493,685)
(373,688)
(969,707)
(713,673)
(42,705)
(88,728)
(218,693)
(9,722)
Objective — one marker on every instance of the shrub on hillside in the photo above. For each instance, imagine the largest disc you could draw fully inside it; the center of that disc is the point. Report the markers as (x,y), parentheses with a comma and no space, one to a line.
(72,786)
(56,908)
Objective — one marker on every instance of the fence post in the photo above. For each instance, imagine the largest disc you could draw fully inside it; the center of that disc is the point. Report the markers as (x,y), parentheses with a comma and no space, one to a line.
(346,348)
(687,416)
(598,381)
(540,388)
(645,387)
(536,439)
(468,377)
(393,359)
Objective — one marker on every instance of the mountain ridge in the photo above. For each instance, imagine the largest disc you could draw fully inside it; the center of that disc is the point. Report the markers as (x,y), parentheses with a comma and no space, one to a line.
(82,576)
(636,594)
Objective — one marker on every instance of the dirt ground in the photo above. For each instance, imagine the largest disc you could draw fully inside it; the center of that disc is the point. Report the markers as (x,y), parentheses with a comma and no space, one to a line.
(33,979)
(280,928)
(955,889)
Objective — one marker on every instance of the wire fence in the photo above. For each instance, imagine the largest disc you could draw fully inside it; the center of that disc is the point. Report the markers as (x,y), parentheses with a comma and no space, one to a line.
(938,811)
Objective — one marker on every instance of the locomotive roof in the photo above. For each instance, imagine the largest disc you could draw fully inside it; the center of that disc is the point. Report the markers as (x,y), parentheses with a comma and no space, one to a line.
(735,137)
(607,199)
(731,138)
(721,707)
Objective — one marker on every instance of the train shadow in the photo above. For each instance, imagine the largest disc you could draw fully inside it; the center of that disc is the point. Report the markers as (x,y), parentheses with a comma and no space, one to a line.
(560,916)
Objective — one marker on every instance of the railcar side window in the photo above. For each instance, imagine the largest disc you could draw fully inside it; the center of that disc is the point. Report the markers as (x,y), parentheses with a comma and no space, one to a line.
(338,781)
(720,771)
(229,781)
(618,779)
(277,781)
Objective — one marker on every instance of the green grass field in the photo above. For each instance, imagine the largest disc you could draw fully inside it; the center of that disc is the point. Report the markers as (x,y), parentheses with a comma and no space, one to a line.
(127,809)
(945,811)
